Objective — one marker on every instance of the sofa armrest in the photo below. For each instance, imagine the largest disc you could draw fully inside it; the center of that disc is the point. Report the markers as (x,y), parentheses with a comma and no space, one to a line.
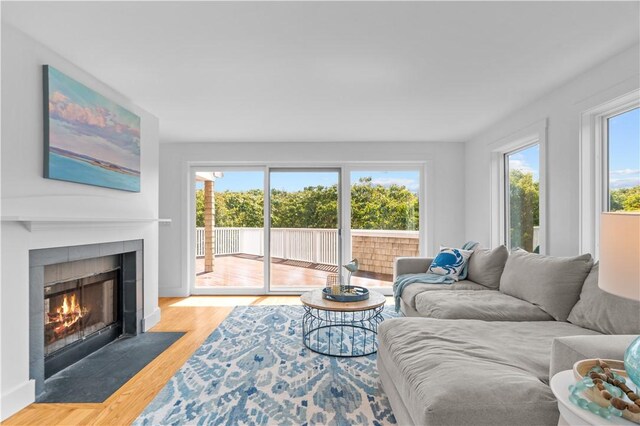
(410,265)
(566,351)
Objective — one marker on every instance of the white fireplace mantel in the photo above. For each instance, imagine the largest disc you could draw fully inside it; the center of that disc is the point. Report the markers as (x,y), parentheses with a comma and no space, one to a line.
(33,223)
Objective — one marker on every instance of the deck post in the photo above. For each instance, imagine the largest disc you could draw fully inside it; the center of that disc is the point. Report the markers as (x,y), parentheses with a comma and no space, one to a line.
(209,225)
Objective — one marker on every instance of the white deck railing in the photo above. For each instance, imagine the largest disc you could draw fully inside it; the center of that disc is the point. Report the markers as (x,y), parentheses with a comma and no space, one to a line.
(304,244)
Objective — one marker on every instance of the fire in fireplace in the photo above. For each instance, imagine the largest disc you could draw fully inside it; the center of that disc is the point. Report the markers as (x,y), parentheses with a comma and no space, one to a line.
(77,309)
(65,320)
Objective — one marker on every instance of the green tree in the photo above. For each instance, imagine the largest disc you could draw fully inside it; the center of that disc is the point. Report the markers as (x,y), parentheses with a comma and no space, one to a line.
(200,208)
(373,206)
(239,209)
(524,212)
(625,199)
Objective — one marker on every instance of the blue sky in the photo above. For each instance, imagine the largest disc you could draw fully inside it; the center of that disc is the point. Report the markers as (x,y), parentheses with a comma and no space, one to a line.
(624,149)
(295,181)
(527,161)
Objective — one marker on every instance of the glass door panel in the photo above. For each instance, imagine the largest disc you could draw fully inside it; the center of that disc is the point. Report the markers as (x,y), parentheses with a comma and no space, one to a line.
(385,218)
(229,230)
(304,237)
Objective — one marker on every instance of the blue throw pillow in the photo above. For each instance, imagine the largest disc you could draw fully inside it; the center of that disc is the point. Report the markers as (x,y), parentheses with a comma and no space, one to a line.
(450,262)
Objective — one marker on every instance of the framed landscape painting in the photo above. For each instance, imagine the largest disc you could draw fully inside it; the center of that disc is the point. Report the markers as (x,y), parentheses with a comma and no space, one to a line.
(88,138)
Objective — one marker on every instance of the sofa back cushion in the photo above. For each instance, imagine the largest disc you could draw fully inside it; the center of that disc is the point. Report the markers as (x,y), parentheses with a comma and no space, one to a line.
(600,311)
(486,266)
(552,283)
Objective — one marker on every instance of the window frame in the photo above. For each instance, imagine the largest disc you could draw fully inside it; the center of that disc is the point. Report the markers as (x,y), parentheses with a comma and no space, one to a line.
(594,166)
(535,134)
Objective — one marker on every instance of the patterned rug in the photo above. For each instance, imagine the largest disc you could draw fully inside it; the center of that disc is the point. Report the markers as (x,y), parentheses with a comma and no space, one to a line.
(254,370)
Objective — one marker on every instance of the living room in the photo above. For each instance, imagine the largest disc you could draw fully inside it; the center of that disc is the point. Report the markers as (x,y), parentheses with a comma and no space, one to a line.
(199,198)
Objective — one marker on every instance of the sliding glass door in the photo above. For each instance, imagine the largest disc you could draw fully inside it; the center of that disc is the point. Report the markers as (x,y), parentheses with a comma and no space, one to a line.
(298,227)
(305,223)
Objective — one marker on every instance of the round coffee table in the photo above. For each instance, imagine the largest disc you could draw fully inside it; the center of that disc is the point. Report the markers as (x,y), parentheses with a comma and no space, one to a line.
(340,329)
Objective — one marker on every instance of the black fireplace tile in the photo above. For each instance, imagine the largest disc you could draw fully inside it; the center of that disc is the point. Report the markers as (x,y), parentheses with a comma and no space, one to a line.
(36,349)
(107,249)
(36,276)
(140,263)
(139,295)
(132,245)
(84,252)
(129,266)
(48,256)
(129,295)
(99,375)
(36,285)
(129,324)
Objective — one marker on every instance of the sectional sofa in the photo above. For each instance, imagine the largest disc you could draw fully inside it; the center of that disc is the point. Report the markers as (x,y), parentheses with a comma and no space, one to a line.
(482,350)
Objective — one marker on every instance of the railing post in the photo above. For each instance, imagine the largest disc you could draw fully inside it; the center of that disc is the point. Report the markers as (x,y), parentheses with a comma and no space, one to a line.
(315,236)
(209,224)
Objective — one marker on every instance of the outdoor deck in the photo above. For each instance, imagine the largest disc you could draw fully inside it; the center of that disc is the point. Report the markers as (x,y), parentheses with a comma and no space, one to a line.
(242,270)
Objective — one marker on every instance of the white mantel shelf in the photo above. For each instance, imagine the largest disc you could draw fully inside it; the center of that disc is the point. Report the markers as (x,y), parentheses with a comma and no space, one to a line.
(33,223)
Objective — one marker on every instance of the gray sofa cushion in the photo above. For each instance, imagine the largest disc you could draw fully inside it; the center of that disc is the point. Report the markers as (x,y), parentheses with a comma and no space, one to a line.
(486,266)
(600,311)
(566,351)
(467,372)
(553,283)
(411,291)
(481,305)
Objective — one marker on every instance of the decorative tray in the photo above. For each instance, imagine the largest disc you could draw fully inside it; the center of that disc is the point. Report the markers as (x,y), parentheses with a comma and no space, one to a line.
(624,397)
(351,294)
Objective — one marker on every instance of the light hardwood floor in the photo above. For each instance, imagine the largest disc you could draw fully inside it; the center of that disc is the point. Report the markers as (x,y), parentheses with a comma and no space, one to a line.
(198,316)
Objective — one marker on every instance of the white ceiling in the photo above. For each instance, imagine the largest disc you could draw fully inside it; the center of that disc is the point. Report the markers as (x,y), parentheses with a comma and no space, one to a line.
(332,71)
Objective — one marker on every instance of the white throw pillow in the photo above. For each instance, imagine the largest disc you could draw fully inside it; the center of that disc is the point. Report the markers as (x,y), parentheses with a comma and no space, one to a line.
(450,262)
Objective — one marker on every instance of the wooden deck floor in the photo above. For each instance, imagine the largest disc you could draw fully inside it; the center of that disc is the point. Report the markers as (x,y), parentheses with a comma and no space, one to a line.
(198,316)
(247,272)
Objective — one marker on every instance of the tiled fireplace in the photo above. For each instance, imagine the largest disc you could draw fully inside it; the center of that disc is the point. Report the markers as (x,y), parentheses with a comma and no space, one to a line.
(81,298)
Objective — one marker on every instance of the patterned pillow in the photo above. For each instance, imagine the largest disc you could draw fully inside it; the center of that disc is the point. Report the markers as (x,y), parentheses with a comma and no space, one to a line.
(450,262)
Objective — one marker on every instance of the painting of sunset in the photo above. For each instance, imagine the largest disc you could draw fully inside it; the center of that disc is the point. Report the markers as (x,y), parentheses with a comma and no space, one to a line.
(88,138)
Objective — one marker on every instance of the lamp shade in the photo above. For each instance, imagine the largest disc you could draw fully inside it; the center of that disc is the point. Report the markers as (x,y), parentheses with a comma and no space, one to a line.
(620,254)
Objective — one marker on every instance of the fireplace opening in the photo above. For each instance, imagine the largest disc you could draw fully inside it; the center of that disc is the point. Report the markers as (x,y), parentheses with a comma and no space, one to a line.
(80,316)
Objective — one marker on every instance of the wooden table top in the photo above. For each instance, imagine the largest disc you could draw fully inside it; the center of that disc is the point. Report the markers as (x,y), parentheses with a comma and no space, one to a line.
(314,299)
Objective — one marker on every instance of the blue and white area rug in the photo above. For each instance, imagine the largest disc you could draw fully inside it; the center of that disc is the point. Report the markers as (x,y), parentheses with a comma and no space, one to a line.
(254,370)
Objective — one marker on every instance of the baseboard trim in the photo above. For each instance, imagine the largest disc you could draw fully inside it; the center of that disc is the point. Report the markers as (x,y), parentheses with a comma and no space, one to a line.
(173,292)
(17,398)
(150,320)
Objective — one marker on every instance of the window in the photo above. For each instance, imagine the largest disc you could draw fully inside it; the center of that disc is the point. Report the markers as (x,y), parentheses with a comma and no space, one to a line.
(623,161)
(522,199)
(518,207)
(609,164)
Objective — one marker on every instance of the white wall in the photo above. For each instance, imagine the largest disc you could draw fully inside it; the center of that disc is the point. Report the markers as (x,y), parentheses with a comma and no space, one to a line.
(445,187)
(26,193)
(563,107)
